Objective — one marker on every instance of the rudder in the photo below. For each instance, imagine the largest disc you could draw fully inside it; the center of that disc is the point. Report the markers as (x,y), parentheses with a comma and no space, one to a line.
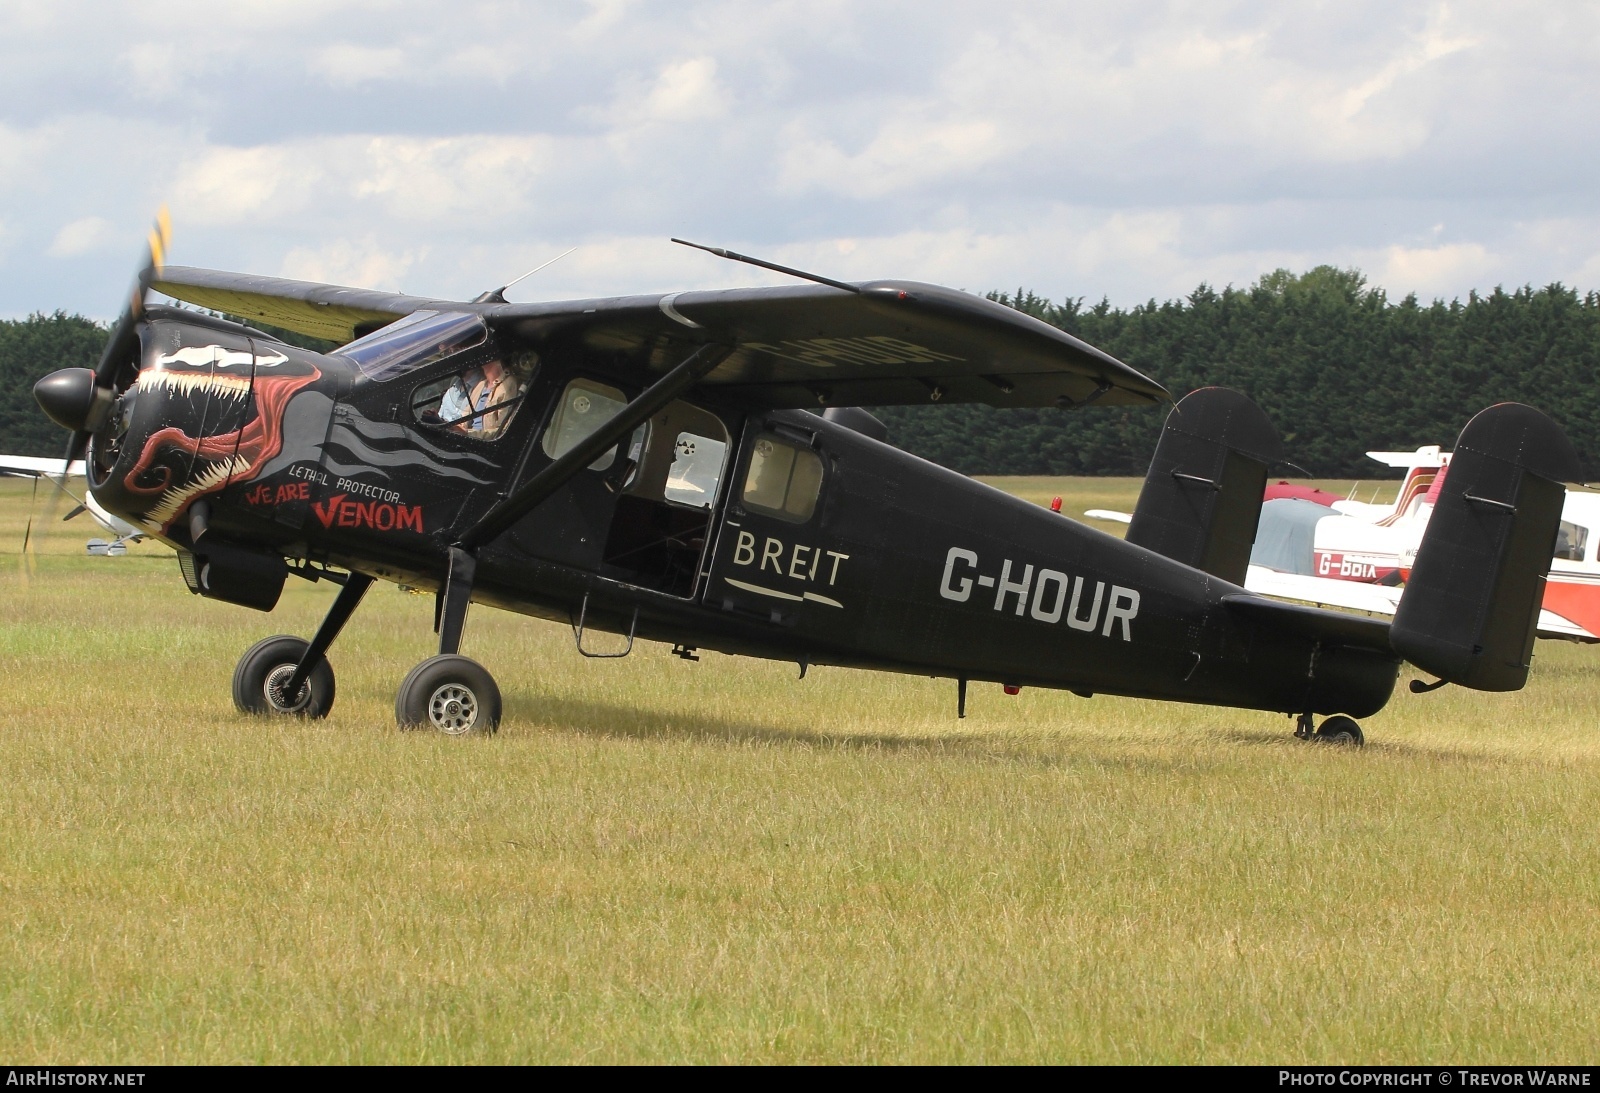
(1201,499)
(1471,604)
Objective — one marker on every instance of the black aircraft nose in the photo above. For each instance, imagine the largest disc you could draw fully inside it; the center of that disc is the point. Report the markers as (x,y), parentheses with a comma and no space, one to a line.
(67,396)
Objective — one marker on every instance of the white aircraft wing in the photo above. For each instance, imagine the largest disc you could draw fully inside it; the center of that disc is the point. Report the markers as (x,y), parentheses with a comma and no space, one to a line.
(38,465)
(1428,456)
(1375,599)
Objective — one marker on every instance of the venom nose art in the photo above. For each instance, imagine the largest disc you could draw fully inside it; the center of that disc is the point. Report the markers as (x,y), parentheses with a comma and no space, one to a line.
(211,415)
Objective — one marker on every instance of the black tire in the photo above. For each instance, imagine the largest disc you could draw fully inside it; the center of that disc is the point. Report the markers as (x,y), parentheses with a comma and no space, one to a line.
(1340,729)
(449,694)
(271,661)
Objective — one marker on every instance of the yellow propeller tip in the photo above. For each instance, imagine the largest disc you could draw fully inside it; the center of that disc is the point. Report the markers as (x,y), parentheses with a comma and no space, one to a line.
(160,238)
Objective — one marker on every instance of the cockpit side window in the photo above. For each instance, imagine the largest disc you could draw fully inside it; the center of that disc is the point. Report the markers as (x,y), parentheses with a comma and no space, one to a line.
(1571,540)
(783,480)
(420,338)
(480,400)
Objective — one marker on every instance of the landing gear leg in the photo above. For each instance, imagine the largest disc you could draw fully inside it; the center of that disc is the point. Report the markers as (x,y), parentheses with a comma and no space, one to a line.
(450,617)
(1305,727)
(287,675)
(450,693)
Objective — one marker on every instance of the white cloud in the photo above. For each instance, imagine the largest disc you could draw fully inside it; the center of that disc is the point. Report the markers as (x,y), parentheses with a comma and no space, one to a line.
(223,186)
(363,262)
(1432,271)
(347,64)
(1088,148)
(904,154)
(685,91)
(81,236)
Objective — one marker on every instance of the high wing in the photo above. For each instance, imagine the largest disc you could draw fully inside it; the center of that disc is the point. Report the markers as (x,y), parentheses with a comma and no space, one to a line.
(322,311)
(802,346)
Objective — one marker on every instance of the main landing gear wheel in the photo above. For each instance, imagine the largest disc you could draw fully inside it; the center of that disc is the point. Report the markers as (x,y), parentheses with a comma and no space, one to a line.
(261,680)
(1340,729)
(450,694)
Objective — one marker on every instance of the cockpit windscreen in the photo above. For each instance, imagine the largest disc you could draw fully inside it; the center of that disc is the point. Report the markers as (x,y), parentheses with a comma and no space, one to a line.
(420,338)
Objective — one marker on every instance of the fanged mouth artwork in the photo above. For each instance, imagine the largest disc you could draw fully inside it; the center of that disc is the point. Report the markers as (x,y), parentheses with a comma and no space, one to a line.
(237,396)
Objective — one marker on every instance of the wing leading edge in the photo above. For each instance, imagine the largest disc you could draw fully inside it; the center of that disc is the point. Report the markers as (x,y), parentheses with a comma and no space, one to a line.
(802,346)
(322,311)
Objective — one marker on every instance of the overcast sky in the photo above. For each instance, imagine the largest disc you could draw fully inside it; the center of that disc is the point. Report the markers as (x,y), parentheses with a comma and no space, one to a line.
(1079,149)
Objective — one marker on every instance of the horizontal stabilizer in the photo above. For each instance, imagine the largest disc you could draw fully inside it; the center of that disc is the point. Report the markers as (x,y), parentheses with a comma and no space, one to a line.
(1471,604)
(1335,627)
(1201,499)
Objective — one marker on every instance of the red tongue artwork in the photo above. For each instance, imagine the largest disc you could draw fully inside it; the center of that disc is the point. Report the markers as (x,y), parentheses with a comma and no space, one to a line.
(256,442)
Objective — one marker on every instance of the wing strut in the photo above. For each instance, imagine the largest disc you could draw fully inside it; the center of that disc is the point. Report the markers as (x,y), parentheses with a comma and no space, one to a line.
(528,496)
(456,594)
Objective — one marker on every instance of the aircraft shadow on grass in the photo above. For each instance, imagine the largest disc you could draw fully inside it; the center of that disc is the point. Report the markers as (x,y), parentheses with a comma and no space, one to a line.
(587,717)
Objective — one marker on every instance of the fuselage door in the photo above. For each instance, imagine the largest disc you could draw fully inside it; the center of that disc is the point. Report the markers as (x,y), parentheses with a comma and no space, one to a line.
(772,561)
(671,482)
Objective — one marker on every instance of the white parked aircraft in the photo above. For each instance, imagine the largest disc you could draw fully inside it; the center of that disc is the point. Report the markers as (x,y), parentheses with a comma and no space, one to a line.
(28,466)
(1319,548)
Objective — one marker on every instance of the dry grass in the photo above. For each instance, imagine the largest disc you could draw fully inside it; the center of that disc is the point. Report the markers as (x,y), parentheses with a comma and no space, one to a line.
(663,861)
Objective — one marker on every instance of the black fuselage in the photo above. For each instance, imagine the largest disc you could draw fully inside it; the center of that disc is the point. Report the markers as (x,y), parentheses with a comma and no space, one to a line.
(862,555)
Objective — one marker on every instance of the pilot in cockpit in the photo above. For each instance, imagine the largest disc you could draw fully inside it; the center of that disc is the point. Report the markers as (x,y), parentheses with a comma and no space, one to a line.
(455,406)
(478,402)
(496,388)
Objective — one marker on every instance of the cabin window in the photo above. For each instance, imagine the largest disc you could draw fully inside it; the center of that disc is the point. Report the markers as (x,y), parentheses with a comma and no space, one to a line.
(680,457)
(584,408)
(1571,540)
(783,480)
(696,470)
(418,339)
(478,401)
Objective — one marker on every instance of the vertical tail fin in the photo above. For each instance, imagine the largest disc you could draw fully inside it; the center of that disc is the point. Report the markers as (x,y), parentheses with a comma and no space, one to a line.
(1201,499)
(1471,605)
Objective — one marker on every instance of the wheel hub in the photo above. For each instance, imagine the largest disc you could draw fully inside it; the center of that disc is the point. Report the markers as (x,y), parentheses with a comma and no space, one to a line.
(453,709)
(276,689)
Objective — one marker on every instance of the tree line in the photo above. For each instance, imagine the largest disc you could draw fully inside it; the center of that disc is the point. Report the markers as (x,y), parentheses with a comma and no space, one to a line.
(1337,366)
(1340,369)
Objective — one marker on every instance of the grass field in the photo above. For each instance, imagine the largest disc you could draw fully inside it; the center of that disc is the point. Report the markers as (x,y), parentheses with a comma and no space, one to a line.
(663,861)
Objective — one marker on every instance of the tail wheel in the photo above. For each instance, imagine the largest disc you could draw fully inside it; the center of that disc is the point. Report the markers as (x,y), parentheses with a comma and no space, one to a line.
(1340,729)
(450,694)
(261,680)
